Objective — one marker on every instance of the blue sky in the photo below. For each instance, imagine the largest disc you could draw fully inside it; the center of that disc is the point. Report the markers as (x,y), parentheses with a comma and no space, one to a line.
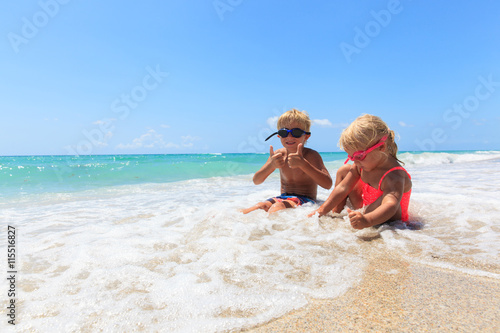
(123,77)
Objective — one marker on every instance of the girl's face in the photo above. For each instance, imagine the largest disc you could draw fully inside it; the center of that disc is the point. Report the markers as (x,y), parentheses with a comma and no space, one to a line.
(290,142)
(372,159)
(361,154)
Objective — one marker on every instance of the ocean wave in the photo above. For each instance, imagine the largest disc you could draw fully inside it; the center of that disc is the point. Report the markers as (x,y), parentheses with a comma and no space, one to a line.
(38,174)
(437,158)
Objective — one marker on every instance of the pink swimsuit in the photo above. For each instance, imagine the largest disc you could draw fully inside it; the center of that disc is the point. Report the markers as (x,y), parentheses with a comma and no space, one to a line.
(370,194)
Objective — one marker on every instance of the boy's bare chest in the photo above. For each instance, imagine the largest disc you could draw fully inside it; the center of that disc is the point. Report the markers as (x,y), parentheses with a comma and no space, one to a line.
(293,175)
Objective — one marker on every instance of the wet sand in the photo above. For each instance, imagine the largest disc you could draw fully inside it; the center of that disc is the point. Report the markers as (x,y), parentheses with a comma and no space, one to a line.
(397,296)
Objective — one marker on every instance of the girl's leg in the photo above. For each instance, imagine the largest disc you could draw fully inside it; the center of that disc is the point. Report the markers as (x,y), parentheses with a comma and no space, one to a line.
(356,197)
(356,194)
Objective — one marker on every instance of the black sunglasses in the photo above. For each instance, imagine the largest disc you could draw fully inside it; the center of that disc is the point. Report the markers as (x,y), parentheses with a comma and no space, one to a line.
(296,133)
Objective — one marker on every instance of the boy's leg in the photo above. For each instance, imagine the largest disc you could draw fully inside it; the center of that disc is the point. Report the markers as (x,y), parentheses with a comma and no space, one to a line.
(271,206)
(265,205)
(282,205)
(356,194)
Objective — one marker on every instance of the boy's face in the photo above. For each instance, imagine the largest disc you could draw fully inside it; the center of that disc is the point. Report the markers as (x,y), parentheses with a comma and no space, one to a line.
(291,143)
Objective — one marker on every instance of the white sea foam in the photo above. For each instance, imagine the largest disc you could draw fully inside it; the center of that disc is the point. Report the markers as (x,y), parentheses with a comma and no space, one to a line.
(171,257)
(180,257)
(436,158)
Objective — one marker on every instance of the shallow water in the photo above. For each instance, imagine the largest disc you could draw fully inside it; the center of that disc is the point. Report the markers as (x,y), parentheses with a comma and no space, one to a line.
(178,256)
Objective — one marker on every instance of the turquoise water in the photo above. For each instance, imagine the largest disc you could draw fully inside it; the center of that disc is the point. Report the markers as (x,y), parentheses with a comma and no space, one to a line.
(36,174)
(70,173)
(20,175)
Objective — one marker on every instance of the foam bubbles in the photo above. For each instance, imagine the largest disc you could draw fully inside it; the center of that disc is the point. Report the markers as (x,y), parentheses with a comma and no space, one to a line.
(173,257)
(181,257)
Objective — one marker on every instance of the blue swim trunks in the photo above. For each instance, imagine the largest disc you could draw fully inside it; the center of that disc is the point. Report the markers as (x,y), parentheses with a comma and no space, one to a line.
(297,199)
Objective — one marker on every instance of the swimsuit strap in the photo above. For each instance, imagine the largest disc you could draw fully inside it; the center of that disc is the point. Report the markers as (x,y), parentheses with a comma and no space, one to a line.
(389,171)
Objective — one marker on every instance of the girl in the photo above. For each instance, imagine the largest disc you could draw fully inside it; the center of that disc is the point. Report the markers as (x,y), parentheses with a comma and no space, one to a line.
(376,180)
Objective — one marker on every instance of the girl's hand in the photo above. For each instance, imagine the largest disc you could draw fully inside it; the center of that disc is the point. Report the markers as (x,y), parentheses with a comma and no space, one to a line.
(358,220)
(314,212)
(319,211)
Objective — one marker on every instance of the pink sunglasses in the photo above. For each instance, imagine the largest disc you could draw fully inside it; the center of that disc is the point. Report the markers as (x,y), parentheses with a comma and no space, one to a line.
(361,154)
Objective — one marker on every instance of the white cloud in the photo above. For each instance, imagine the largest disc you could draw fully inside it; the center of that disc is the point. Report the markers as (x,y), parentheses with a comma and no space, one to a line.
(272,122)
(322,122)
(479,122)
(103,142)
(164,126)
(150,139)
(328,123)
(104,121)
(403,124)
(187,141)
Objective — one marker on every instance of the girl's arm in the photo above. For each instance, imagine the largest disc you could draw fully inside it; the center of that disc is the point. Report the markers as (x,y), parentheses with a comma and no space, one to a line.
(340,192)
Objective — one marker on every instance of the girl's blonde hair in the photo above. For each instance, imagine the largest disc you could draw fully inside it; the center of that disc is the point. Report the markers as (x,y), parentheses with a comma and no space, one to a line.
(295,115)
(366,131)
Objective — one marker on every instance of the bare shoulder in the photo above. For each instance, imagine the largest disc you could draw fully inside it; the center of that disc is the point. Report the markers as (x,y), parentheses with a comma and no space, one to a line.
(311,153)
(397,179)
(313,157)
(354,169)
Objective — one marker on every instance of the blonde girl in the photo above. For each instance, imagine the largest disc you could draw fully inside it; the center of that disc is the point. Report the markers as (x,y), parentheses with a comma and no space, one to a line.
(376,180)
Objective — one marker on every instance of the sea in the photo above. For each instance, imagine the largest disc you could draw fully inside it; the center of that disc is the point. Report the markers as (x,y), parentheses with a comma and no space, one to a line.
(156,243)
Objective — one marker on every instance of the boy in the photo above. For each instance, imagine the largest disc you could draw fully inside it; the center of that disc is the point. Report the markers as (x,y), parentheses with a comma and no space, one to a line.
(301,169)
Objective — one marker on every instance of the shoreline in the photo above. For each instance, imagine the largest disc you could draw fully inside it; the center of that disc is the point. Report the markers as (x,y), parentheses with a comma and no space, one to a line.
(396,295)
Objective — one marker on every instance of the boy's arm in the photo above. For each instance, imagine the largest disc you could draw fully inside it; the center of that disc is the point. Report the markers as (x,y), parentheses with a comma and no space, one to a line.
(313,166)
(393,189)
(275,161)
(339,193)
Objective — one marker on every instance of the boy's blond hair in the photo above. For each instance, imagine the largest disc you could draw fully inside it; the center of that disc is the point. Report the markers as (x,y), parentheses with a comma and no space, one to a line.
(366,131)
(295,115)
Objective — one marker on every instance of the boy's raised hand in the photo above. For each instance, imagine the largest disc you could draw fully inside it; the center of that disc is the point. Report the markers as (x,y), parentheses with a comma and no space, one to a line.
(295,160)
(278,159)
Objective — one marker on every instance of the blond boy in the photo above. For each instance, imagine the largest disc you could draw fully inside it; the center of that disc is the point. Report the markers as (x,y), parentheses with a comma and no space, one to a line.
(301,169)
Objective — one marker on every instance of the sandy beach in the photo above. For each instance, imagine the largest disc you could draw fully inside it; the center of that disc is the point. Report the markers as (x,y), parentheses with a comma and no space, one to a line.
(398,296)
